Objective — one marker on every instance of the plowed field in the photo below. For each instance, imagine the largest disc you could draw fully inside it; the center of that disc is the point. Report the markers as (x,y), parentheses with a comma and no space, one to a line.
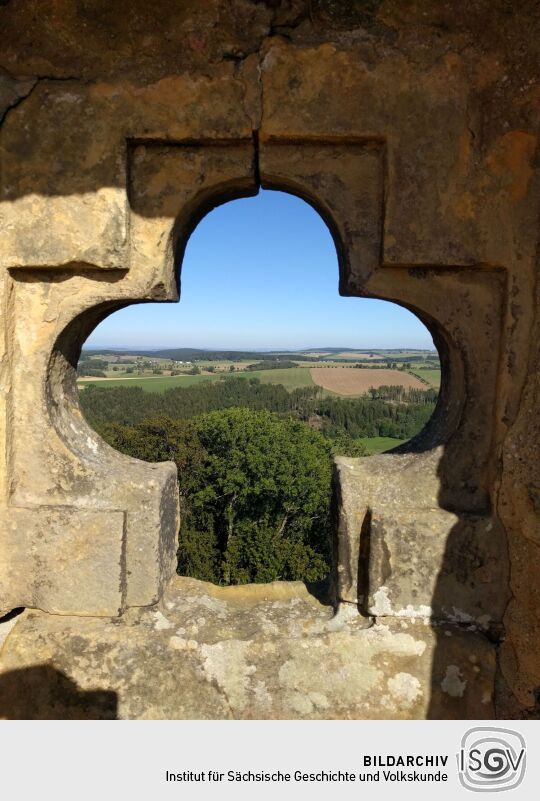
(353,381)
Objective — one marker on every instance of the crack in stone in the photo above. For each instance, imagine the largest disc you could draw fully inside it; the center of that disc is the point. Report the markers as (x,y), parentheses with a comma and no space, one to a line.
(17,102)
(35,82)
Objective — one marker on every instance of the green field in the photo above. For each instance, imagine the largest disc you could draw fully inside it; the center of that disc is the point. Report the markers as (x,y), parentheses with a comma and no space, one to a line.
(291,378)
(356,356)
(155,383)
(379,444)
(432,376)
(359,355)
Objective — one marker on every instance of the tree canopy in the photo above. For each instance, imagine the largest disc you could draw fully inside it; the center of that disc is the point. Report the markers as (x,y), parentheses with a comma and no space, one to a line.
(254,491)
(254,464)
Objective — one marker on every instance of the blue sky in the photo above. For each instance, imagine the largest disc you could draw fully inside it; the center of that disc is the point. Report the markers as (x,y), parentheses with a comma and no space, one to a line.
(262,273)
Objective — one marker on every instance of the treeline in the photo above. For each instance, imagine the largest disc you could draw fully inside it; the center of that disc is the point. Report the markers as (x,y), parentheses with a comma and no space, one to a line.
(272,364)
(129,405)
(195,354)
(395,392)
(89,372)
(385,362)
(336,417)
(361,417)
(92,367)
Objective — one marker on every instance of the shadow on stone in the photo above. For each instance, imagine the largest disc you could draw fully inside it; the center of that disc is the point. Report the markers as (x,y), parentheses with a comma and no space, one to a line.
(42,692)
(11,615)
(473,575)
(321,590)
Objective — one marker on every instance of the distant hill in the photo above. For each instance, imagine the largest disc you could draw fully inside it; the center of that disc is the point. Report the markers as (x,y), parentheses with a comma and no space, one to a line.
(327,350)
(200,354)
(193,354)
(362,350)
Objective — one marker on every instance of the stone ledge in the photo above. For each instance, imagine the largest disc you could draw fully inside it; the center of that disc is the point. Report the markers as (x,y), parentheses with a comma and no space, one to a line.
(256,652)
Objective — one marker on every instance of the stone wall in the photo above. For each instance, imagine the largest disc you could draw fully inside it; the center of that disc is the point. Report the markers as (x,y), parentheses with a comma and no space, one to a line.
(412,128)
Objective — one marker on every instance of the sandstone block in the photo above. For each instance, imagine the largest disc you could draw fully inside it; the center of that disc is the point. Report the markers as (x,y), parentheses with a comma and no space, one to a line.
(62,560)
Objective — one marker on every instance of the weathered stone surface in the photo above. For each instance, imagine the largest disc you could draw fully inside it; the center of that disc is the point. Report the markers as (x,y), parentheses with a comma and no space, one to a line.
(398,554)
(470,584)
(71,208)
(62,559)
(253,652)
(170,187)
(441,166)
(412,126)
(519,507)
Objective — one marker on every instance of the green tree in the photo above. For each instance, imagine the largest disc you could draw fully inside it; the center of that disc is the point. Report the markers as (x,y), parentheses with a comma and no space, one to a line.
(254,492)
(270,479)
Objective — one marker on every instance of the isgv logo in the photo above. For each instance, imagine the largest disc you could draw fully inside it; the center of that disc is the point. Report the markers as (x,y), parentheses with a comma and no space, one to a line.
(491,759)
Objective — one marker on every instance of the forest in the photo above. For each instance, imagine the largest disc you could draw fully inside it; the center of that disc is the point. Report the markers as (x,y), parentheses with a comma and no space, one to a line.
(254,465)
(392,412)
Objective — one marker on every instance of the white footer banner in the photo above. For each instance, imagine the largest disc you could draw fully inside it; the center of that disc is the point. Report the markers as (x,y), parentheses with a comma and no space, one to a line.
(269,759)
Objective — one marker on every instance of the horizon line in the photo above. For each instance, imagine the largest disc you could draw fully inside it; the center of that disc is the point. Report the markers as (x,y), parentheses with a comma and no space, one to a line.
(253,350)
